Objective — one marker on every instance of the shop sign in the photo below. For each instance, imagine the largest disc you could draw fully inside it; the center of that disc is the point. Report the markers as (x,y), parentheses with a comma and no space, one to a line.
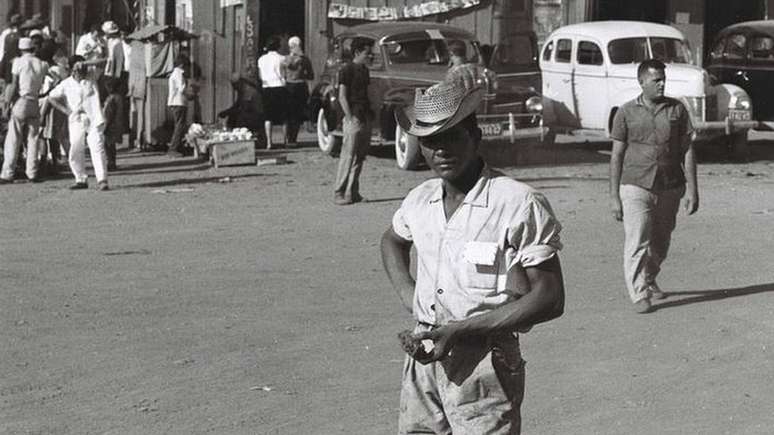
(386,13)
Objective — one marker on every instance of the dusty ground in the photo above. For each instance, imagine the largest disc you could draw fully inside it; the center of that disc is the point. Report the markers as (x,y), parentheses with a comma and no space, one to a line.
(186,302)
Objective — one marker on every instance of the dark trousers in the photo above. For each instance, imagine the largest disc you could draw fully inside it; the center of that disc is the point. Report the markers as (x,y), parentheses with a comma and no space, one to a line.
(178,115)
(354,148)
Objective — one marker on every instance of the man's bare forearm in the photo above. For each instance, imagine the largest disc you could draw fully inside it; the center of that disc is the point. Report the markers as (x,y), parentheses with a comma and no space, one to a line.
(616,167)
(396,258)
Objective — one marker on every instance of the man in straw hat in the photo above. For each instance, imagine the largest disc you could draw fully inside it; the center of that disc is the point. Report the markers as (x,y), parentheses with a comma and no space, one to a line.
(487,266)
(28,74)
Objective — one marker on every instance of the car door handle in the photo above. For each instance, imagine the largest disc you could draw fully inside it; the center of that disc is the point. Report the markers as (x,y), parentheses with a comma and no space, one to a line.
(565,80)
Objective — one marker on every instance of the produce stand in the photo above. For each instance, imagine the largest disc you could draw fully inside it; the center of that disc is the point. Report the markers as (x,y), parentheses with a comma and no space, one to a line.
(224,147)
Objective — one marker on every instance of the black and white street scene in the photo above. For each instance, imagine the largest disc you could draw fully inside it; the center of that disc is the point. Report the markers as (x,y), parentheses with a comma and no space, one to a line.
(386,216)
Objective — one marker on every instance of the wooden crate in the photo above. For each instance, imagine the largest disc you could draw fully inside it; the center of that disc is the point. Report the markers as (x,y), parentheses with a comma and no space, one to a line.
(241,152)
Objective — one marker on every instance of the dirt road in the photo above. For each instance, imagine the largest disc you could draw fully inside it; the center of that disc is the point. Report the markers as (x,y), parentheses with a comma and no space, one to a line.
(241,300)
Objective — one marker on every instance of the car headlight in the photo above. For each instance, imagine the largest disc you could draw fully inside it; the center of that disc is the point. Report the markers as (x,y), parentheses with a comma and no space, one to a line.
(742,102)
(534,104)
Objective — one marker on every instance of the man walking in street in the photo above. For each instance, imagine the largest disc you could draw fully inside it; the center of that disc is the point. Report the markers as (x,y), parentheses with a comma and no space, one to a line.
(353,97)
(178,108)
(487,266)
(28,73)
(652,166)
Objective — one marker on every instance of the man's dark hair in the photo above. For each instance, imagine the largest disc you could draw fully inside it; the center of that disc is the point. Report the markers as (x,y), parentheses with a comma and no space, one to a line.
(458,48)
(274,43)
(649,64)
(360,44)
(95,28)
(73,60)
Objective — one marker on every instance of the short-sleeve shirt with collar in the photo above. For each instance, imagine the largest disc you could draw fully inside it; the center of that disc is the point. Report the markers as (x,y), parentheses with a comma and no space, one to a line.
(474,262)
(80,96)
(656,140)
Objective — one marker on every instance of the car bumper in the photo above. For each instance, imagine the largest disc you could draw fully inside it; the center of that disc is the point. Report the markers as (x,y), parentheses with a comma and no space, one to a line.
(727,126)
(511,126)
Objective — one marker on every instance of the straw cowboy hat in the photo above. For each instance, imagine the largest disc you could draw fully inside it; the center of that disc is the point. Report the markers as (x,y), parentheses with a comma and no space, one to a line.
(109,27)
(441,106)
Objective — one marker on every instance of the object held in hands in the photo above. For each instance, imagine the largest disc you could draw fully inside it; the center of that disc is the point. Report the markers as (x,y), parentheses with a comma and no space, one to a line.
(412,345)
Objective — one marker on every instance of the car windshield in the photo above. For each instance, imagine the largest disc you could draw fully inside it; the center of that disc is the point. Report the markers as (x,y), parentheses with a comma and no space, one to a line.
(429,51)
(635,50)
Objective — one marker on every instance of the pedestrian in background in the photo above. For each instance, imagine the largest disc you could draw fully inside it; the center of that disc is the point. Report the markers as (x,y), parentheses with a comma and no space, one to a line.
(354,78)
(10,47)
(298,71)
(275,97)
(487,267)
(78,98)
(28,73)
(54,123)
(177,105)
(652,160)
(115,119)
(458,53)
(247,110)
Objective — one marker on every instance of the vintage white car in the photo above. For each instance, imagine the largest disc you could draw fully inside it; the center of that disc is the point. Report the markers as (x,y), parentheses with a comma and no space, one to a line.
(590,69)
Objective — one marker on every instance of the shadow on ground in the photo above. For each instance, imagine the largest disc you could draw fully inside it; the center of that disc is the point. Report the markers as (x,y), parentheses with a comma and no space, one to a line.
(697,296)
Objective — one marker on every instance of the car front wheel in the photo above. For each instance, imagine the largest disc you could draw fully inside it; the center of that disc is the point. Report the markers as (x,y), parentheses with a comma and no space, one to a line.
(407,152)
(328,142)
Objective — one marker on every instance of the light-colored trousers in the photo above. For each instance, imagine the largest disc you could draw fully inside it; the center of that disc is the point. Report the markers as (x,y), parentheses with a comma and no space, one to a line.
(477,389)
(81,135)
(24,125)
(648,218)
(354,149)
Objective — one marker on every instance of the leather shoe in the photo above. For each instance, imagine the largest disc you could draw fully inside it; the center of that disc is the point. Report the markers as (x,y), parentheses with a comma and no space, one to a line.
(103,185)
(79,185)
(642,306)
(5,181)
(340,200)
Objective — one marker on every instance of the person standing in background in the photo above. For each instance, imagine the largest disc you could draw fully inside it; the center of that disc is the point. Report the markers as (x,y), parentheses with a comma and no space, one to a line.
(28,74)
(354,78)
(177,105)
(298,71)
(78,98)
(10,47)
(115,119)
(275,97)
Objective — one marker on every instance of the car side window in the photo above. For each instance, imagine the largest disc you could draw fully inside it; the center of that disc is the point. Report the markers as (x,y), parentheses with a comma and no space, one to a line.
(628,50)
(548,51)
(564,51)
(589,53)
(762,47)
(736,46)
(717,50)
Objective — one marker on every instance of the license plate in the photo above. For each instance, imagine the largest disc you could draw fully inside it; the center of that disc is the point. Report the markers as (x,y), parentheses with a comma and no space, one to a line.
(739,115)
(491,129)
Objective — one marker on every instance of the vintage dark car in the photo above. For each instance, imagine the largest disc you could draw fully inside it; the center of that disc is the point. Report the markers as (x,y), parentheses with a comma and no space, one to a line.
(743,54)
(411,55)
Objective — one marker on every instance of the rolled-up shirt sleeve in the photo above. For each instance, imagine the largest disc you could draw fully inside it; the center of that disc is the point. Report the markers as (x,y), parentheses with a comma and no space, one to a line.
(619,131)
(535,233)
(400,224)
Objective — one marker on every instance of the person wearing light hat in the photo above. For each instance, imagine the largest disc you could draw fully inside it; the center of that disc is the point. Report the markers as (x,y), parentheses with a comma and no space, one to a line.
(28,74)
(487,267)
(115,53)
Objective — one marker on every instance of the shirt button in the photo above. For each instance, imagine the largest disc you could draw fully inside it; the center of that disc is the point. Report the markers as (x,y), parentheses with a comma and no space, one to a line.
(440,291)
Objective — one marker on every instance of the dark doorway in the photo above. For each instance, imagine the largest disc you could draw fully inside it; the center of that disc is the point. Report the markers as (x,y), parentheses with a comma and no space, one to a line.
(283,18)
(723,13)
(637,10)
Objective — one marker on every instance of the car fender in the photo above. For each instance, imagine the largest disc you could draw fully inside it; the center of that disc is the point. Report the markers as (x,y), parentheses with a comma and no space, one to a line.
(727,94)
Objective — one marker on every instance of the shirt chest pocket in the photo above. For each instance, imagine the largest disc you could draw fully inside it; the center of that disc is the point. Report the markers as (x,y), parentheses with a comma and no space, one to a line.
(476,263)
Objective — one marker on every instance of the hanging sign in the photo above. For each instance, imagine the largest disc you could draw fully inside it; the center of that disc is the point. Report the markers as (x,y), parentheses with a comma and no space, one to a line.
(385,13)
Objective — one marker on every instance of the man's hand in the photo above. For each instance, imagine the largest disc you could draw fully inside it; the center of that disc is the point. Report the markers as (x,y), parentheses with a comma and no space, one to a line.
(691,202)
(616,208)
(443,338)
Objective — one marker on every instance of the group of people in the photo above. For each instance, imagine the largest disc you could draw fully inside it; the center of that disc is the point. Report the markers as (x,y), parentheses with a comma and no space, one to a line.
(487,247)
(51,100)
(284,91)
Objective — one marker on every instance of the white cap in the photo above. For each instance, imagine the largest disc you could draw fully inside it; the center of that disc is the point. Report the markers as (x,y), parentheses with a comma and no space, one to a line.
(26,44)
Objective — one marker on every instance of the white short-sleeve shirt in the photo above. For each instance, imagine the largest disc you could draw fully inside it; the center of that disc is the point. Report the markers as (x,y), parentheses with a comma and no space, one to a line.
(80,96)
(474,262)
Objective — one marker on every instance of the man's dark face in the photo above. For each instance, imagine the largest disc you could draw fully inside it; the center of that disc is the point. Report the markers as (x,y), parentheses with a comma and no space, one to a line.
(653,83)
(451,152)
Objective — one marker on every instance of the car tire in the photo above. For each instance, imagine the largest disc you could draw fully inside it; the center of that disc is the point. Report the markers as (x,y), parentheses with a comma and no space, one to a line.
(549,138)
(407,153)
(328,142)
